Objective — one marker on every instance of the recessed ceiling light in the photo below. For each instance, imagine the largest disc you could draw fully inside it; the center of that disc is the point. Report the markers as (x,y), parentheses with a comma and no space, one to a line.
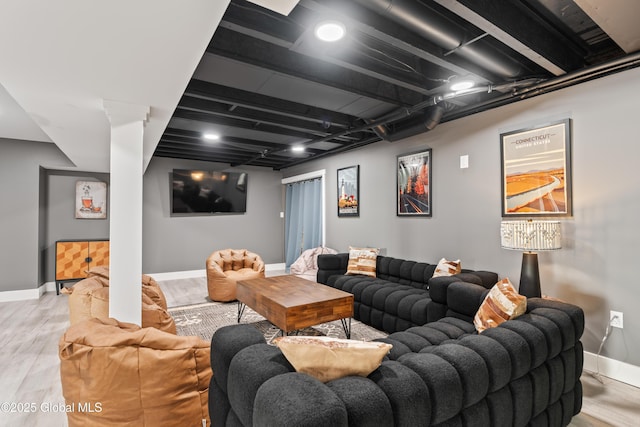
(297,148)
(211,136)
(330,31)
(461,85)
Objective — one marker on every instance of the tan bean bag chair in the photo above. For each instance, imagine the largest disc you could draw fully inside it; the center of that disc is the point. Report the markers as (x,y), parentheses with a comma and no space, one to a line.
(138,376)
(90,298)
(149,285)
(226,267)
(153,316)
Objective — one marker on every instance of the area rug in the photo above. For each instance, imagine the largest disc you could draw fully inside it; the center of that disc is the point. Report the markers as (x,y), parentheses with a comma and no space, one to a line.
(203,320)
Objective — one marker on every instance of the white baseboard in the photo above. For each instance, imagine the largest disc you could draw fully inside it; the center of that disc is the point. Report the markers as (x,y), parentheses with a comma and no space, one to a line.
(614,369)
(175,275)
(48,287)
(8,296)
(275,267)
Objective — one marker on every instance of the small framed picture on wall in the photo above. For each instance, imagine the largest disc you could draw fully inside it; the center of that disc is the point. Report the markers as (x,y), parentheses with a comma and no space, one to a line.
(413,196)
(349,191)
(91,200)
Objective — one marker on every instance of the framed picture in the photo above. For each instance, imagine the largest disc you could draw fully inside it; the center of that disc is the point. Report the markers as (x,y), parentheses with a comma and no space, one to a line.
(414,184)
(91,200)
(536,171)
(349,191)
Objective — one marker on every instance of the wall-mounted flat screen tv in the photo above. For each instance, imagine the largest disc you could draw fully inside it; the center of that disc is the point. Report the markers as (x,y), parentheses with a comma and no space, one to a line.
(200,192)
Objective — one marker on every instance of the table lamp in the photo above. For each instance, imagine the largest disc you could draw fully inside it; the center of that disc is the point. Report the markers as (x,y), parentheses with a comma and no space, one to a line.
(530,236)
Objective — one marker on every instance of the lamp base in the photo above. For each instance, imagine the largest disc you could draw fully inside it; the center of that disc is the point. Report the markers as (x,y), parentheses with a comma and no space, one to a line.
(529,276)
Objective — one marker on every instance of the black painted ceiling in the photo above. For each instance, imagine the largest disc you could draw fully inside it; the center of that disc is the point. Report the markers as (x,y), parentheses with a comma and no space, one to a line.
(266,84)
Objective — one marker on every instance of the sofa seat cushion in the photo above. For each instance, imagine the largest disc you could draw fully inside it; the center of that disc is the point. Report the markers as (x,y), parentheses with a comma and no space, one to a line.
(402,301)
(418,338)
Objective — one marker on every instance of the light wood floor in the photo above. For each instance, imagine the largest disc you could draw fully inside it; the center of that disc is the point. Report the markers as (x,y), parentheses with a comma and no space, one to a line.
(30,365)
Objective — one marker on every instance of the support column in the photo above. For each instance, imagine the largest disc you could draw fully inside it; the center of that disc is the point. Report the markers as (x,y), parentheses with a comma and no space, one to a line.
(125,226)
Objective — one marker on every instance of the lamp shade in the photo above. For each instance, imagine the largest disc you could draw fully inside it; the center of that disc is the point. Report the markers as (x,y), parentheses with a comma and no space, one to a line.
(530,235)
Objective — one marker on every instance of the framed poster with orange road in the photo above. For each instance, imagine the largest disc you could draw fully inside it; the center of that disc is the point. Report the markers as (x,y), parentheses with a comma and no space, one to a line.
(536,171)
(413,197)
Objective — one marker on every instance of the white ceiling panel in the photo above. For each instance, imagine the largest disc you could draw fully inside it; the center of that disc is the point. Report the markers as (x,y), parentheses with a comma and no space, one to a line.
(618,18)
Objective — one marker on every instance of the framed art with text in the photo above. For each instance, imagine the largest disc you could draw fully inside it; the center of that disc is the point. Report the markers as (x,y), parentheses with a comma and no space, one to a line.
(413,196)
(349,191)
(536,171)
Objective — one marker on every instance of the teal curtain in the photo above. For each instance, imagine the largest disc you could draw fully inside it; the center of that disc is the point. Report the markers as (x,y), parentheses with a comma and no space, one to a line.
(303,218)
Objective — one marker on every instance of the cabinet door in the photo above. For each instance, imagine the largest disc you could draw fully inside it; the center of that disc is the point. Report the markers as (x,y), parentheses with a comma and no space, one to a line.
(71,260)
(99,253)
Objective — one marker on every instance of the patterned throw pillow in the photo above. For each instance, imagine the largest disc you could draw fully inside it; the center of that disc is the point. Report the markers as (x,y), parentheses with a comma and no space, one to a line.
(502,303)
(447,268)
(327,359)
(362,261)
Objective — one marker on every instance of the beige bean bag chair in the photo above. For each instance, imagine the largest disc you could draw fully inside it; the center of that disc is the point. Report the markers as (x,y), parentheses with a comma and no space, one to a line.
(226,267)
(132,376)
(89,298)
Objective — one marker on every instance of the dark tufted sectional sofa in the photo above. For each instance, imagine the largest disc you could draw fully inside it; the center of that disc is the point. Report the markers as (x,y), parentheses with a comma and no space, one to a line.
(524,372)
(400,295)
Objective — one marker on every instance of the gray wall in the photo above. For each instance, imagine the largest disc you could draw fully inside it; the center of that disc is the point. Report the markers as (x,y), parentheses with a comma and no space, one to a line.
(184,243)
(595,269)
(22,210)
(172,243)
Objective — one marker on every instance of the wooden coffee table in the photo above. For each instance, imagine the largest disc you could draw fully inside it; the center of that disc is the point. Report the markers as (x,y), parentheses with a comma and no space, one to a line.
(292,303)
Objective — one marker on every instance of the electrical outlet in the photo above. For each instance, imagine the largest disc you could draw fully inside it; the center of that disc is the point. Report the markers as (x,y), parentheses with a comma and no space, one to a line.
(615,319)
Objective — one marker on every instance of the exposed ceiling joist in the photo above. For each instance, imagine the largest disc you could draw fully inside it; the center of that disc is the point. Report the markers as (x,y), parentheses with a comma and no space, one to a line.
(266,84)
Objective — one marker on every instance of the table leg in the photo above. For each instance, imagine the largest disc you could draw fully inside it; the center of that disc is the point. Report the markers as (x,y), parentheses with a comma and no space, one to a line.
(346,325)
(241,307)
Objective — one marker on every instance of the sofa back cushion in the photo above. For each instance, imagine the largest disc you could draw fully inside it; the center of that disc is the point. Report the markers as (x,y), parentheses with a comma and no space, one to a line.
(411,273)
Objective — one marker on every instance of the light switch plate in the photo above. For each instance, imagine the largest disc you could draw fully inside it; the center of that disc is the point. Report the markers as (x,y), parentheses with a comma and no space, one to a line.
(464,161)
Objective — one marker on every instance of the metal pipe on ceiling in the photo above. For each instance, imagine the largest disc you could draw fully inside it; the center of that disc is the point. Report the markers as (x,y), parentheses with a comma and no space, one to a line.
(517,90)
(546,86)
(437,29)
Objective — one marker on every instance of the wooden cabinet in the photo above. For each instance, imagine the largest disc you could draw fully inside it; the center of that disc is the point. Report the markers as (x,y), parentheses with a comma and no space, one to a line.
(75,257)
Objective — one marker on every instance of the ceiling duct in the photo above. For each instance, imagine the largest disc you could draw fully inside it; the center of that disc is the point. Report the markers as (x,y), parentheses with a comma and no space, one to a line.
(381,130)
(433,27)
(422,123)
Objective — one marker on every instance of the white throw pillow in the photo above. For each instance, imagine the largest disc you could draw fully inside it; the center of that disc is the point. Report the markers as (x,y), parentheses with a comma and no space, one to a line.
(447,268)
